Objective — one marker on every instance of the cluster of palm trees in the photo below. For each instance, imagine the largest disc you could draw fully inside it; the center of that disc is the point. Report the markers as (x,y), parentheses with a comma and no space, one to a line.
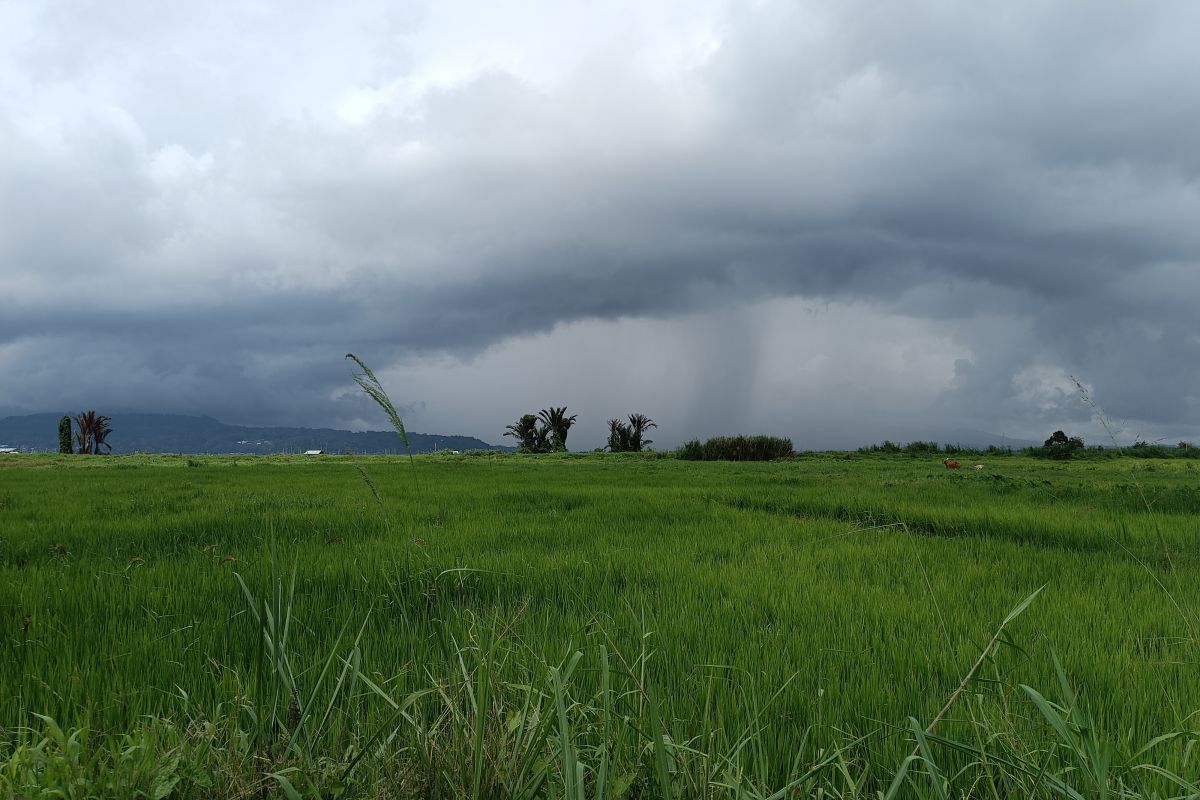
(546,432)
(627,437)
(92,430)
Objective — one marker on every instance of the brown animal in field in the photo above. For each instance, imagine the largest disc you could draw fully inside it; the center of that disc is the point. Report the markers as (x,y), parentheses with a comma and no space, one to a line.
(950,463)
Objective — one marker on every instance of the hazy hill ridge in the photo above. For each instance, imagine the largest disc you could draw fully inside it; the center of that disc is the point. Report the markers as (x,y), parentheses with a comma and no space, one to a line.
(178,433)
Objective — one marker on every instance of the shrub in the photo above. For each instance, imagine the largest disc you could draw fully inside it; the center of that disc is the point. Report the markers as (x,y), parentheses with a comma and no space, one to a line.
(737,448)
(64,435)
(1146,450)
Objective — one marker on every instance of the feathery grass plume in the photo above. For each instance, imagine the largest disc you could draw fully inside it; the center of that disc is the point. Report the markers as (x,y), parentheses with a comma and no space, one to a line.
(1189,619)
(367,381)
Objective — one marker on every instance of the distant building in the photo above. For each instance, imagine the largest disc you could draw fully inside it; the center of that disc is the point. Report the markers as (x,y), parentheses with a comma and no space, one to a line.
(314,452)
(6,449)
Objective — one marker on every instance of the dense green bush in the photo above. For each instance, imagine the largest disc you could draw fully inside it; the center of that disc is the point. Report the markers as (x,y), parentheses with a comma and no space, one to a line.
(1060,446)
(1147,450)
(919,448)
(65,437)
(737,448)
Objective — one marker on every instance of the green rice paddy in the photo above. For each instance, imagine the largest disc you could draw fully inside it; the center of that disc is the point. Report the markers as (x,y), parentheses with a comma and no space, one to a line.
(742,630)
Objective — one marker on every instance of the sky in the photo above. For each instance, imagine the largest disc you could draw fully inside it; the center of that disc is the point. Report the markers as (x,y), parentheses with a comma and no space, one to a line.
(835,221)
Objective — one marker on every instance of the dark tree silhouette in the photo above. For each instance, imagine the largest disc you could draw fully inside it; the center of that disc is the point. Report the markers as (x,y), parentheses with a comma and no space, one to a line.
(64,435)
(533,438)
(627,437)
(92,433)
(1059,445)
(558,424)
(618,436)
(638,425)
(100,435)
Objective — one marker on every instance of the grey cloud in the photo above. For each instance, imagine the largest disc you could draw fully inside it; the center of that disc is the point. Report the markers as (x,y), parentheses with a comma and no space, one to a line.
(1022,177)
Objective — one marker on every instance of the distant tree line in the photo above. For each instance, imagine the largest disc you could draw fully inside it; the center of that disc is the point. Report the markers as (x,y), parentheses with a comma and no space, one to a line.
(1058,446)
(919,448)
(546,432)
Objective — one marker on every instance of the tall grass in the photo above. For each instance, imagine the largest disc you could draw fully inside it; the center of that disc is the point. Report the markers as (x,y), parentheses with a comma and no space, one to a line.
(594,627)
(737,448)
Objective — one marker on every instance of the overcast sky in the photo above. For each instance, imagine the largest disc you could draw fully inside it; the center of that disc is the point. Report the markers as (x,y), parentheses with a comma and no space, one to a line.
(835,221)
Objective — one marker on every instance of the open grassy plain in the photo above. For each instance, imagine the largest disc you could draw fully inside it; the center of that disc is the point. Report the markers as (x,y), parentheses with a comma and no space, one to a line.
(742,630)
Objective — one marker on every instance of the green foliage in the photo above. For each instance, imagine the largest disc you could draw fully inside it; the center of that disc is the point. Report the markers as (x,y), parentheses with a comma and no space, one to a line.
(1061,447)
(64,435)
(629,437)
(91,434)
(532,436)
(1146,450)
(544,432)
(568,626)
(737,448)
(919,449)
(558,424)
(150,762)
(618,437)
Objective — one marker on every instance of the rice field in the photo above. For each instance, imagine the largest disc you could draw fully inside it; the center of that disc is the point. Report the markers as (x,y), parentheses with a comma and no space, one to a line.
(598,626)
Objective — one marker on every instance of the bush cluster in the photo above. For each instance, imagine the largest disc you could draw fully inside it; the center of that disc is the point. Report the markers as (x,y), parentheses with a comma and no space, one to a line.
(920,448)
(1060,446)
(1147,450)
(737,448)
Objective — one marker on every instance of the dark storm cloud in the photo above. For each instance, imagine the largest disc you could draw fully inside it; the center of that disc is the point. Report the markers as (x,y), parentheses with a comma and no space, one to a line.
(1023,178)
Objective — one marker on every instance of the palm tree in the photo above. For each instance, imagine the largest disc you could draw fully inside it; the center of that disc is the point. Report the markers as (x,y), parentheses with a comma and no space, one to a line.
(639,424)
(541,440)
(93,430)
(100,434)
(558,423)
(525,431)
(618,436)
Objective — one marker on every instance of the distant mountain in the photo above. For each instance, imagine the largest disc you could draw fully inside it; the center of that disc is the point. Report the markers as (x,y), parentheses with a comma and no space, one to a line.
(981,440)
(177,433)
